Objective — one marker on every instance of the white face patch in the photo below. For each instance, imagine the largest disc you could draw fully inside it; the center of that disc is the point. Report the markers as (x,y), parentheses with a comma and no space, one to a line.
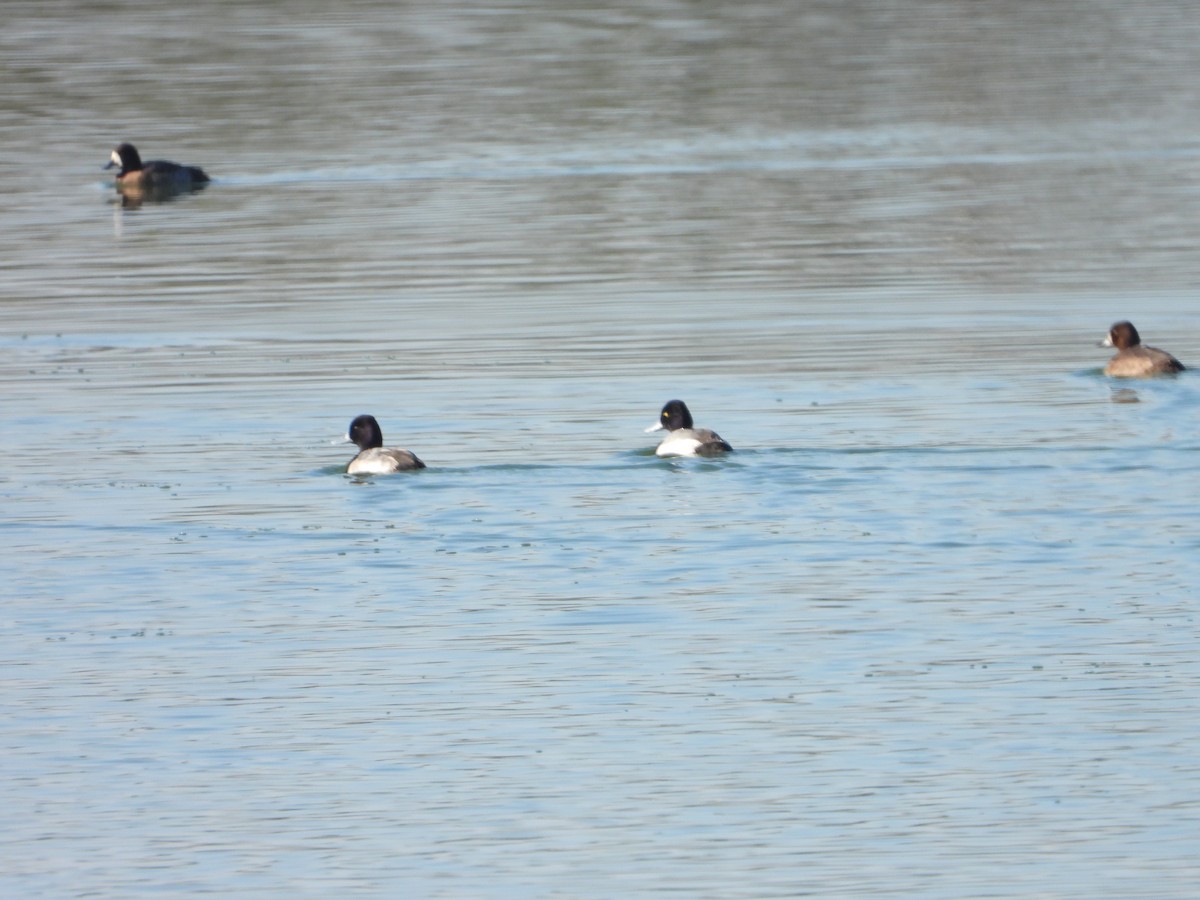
(116,158)
(1107,342)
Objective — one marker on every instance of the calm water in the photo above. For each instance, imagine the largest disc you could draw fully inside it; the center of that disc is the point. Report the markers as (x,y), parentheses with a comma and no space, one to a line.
(931,631)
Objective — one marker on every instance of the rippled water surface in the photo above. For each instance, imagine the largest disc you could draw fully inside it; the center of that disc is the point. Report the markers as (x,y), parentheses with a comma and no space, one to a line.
(930,631)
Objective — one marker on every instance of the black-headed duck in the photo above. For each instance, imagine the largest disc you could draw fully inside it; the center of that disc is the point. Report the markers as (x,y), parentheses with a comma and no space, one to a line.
(373,458)
(154,179)
(682,438)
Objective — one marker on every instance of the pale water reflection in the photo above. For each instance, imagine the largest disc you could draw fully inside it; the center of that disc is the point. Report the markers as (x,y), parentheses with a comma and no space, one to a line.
(929,631)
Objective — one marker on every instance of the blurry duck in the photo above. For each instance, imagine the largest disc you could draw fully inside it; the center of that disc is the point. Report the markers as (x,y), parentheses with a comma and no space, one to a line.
(373,458)
(153,180)
(682,438)
(1134,360)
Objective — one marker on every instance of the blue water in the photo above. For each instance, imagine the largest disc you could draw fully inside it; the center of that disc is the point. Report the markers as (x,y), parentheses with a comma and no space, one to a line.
(930,630)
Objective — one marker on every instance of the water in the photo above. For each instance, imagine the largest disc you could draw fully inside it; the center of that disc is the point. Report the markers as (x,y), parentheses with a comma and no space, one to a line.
(930,631)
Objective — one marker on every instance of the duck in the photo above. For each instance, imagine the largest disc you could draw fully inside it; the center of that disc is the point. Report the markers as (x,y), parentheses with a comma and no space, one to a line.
(1134,360)
(374,458)
(156,177)
(682,438)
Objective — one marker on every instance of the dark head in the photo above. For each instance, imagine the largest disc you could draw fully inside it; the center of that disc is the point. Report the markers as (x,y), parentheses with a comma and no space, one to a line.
(1122,336)
(675,415)
(365,432)
(125,156)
